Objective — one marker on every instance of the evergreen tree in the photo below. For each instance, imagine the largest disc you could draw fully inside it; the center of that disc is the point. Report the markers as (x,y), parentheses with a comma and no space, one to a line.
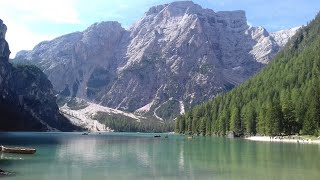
(202,126)
(182,125)
(249,119)
(177,125)
(289,123)
(235,121)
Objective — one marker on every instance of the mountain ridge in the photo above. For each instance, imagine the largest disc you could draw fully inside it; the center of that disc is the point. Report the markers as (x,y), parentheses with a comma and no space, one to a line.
(177,54)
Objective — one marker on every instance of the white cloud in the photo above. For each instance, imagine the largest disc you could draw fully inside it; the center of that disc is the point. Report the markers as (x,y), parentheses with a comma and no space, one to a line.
(21,38)
(58,11)
(21,15)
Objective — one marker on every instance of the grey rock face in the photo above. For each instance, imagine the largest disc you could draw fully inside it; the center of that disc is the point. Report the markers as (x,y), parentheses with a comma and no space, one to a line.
(281,37)
(27,102)
(3,30)
(4,47)
(177,55)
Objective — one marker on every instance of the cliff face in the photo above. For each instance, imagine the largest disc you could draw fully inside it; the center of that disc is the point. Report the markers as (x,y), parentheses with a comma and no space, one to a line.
(177,55)
(27,102)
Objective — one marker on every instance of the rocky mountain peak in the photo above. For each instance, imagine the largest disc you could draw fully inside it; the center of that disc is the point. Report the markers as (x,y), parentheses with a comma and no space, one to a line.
(282,36)
(4,47)
(103,26)
(176,16)
(233,19)
(3,30)
(155,9)
(177,55)
(182,8)
(101,36)
(178,8)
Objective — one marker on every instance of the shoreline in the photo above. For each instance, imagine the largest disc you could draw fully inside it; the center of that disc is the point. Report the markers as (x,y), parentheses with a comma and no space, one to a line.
(295,139)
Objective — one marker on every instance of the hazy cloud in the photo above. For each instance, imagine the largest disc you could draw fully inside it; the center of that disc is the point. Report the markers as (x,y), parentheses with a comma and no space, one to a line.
(21,15)
(57,11)
(21,38)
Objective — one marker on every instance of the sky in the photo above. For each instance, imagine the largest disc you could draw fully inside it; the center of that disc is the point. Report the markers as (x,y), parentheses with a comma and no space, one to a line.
(32,21)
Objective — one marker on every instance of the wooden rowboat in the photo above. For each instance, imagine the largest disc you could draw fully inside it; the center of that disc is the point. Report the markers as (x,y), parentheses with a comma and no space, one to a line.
(19,150)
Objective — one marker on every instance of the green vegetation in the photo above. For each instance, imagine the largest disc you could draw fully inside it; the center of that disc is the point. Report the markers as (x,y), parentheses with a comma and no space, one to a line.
(284,98)
(169,109)
(72,103)
(122,123)
(75,104)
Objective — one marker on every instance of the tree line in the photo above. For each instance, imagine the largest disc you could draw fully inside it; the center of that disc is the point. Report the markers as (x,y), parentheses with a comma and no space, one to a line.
(284,98)
(125,124)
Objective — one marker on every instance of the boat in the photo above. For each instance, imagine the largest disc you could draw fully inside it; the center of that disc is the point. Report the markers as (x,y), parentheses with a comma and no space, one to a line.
(85,133)
(157,136)
(18,150)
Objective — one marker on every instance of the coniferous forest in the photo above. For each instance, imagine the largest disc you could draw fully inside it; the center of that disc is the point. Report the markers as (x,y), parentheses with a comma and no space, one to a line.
(284,98)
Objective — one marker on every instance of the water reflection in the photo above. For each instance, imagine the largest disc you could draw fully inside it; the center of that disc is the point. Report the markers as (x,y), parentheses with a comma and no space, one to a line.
(181,158)
(132,156)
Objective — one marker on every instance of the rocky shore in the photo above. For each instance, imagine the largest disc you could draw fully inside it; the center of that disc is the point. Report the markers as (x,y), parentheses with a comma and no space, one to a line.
(287,139)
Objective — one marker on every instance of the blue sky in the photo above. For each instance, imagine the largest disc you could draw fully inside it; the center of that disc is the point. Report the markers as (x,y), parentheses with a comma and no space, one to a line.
(32,21)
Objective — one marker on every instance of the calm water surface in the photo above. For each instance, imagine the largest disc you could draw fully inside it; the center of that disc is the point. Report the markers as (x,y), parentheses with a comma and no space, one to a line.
(141,156)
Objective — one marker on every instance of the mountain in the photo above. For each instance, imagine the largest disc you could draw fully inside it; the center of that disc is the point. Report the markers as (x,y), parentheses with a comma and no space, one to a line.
(284,98)
(27,102)
(281,37)
(176,56)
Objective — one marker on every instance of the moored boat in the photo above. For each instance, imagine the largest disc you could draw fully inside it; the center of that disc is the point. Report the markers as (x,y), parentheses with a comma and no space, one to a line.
(190,137)
(19,150)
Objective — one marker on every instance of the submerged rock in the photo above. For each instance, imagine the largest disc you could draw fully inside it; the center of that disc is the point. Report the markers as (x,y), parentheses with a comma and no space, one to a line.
(5,173)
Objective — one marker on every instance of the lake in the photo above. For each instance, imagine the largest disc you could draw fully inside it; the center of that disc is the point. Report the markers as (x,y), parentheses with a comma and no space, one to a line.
(141,156)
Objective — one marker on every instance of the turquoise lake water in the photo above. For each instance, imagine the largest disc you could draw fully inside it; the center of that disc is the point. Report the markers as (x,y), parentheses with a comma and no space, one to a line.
(141,156)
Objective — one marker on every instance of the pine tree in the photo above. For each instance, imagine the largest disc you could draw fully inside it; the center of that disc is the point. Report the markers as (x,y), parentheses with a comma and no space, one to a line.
(249,119)
(261,123)
(177,125)
(202,126)
(289,123)
(235,121)
(310,124)
(208,126)
(182,125)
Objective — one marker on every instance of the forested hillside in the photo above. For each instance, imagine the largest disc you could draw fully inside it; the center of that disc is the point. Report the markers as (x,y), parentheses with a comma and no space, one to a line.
(282,99)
